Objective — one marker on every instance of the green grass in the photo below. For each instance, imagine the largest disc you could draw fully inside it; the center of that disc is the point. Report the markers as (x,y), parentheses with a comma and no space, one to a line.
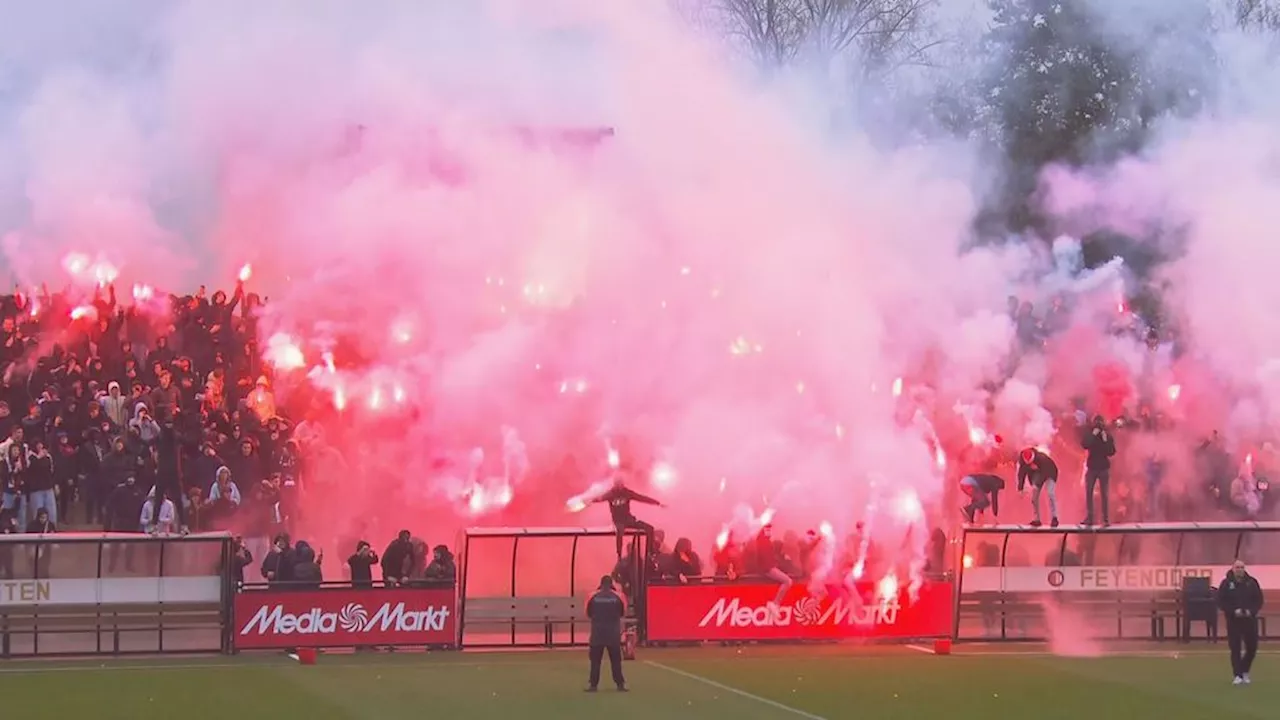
(754,683)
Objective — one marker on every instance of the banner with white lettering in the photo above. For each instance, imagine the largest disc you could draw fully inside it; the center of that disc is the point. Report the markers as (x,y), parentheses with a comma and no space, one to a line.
(345,617)
(744,611)
(1129,578)
(110,591)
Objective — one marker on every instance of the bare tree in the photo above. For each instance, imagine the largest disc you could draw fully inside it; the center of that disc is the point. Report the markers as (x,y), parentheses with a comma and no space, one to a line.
(1258,14)
(877,33)
(769,29)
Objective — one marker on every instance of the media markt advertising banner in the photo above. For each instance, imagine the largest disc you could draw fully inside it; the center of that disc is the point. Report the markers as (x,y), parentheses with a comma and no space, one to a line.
(344,618)
(742,612)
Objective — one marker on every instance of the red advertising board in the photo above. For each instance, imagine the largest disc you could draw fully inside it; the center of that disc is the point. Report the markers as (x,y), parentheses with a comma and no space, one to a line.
(276,619)
(741,612)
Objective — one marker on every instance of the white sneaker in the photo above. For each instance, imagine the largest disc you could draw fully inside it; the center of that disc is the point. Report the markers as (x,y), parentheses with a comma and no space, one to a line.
(1238,680)
(1246,678)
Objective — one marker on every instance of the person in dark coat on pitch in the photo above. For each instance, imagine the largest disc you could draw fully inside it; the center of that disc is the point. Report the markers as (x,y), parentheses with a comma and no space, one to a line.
(1036,467)
(606,609)
(1240,597)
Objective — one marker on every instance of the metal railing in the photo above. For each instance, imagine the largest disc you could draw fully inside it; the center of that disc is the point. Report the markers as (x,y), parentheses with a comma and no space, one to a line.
(109,593)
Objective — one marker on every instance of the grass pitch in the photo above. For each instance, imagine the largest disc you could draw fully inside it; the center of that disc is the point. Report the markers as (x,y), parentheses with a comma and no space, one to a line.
(753,683)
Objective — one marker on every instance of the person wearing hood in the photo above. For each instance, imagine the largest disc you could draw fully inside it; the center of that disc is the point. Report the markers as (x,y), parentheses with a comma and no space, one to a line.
(307,574)
(147,428)
(1240,598)
(159,515)
(277,566)
(224,497)
(116,405)
(204,466)
(262,401)
(442,567)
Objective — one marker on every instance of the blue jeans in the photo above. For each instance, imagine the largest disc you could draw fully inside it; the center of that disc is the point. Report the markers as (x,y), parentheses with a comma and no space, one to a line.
(977,496)
(45,499)
(18,504)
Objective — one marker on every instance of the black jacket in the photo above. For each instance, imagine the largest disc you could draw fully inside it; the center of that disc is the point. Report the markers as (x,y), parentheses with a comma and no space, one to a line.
(1040,470)
(620,498)
(1100,448)
(1243,594)
(606,610)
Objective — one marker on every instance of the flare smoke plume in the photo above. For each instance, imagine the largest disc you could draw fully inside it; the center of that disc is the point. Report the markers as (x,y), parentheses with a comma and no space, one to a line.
(459,255)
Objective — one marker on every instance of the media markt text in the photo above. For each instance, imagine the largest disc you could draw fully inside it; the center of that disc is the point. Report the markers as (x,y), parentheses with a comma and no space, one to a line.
(395,618)
(734,614)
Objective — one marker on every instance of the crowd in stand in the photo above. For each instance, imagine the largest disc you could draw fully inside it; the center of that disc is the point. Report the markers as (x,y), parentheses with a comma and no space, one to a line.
(121,418)
(797,556)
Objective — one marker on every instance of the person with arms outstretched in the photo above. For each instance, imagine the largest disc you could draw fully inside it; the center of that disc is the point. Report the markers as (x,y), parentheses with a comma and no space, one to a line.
(620,498)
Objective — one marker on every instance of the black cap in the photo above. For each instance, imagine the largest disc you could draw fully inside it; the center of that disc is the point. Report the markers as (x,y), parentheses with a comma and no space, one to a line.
(606,583)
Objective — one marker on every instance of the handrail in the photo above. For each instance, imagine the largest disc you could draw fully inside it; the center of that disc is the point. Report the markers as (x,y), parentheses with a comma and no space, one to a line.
(418,584)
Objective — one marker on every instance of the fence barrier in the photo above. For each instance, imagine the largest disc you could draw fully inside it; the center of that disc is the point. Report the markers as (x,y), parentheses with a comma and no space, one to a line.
(118,594)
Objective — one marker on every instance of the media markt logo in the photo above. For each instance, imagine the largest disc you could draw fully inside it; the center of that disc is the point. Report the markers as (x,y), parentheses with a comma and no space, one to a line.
(352,618)
(808,612)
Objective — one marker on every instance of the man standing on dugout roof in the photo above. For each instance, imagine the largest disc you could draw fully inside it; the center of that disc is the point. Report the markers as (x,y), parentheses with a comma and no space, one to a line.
(606,610)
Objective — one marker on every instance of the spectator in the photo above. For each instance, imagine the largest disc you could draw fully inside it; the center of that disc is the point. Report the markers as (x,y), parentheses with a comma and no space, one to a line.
(685,563)
(42,524)
(146,426)
(65,475)
(115,405)
(241,558)
(8,526)
(224,498)
(361,564)
(769,564)
(159,516)
(1101,447)
(306,569)
(442,567)
(14,470)
(397,560)
(277,566)
(39,483)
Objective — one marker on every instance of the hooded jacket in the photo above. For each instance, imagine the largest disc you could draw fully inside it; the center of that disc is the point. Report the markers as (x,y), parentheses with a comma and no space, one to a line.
(116,406)
(233,492)
(148,429)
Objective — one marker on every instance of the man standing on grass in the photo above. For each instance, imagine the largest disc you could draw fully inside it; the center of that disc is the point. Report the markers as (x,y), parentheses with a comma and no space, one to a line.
(1240,598)
(606,610)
